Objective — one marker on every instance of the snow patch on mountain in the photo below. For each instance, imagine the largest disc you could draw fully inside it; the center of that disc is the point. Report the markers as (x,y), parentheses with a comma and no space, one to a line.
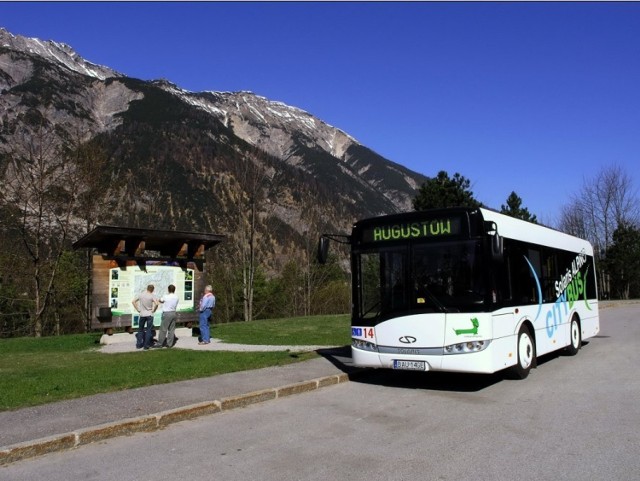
(290,134)
(59,53)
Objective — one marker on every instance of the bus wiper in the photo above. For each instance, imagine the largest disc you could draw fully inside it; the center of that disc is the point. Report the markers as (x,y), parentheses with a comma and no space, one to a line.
(376,305)
(441,307)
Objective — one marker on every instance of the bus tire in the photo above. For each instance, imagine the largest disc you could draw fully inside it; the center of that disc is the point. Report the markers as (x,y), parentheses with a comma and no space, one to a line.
(575,337)
(526,349)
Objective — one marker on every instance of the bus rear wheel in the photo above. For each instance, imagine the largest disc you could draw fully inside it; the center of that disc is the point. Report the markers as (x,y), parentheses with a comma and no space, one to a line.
(526,354)
(576,337)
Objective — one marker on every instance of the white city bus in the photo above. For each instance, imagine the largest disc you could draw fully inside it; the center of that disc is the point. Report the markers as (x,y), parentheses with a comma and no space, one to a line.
(467,290)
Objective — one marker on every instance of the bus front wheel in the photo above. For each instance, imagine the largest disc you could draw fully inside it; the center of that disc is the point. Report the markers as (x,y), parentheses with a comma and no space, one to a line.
(576,337)
(526,354)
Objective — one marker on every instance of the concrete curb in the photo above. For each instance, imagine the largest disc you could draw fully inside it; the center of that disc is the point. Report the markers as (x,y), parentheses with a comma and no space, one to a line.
(153,422)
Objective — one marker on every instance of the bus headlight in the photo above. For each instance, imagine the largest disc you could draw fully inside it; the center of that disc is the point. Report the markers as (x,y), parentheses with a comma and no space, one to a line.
(466,347)
(364,345)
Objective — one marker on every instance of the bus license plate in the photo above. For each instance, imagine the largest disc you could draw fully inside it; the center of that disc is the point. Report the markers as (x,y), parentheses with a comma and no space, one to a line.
(409,365)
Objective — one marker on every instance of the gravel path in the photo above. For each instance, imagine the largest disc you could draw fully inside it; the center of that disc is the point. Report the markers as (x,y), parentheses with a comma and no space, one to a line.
(188,342)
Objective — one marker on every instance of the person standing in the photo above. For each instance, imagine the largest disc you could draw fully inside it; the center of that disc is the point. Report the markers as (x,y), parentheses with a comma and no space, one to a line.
(169,315)
(207,303)
(146,304)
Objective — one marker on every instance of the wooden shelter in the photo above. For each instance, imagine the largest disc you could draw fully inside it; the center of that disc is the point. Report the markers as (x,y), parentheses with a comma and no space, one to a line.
(126,260)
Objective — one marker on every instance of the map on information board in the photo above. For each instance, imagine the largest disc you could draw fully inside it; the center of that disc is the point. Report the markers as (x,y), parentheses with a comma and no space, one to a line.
(125,284)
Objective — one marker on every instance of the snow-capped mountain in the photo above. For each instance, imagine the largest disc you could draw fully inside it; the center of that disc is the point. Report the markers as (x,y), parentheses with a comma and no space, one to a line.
(188,153)
(288,133)
(54,52)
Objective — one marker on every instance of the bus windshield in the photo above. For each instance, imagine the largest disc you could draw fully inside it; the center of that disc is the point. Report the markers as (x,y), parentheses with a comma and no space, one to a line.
(419,278)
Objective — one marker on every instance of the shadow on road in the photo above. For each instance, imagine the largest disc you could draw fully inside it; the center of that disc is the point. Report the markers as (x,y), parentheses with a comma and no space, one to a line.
(339,357)
(435,381)
(432,381)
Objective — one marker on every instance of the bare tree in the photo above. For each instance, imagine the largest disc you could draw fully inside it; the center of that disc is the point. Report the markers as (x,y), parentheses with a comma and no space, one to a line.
(316,277)
(255,181)
(33,178)
(44,181)
(572,221)
(605,202)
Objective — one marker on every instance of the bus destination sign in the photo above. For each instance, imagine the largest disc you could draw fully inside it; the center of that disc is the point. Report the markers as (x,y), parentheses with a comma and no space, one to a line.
(442,227)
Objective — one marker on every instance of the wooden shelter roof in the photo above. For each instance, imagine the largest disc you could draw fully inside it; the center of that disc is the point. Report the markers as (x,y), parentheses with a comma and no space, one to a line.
(124,244)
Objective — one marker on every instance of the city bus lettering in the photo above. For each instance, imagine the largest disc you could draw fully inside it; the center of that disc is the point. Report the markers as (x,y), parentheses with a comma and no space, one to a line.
(554,315)
(566,279)
(575,289)
(562,284)
(578,262)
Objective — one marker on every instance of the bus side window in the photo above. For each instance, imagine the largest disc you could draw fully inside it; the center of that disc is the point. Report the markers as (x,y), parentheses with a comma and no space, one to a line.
(522,282)
(502,278)
(536,262)
(591,279)
(549,275)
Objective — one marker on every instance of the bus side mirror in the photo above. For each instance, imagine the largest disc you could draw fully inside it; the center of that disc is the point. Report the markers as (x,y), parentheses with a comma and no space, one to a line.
(323,250)
(497,247)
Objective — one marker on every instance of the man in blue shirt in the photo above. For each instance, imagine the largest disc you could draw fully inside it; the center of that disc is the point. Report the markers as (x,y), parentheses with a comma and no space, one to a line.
(207,303)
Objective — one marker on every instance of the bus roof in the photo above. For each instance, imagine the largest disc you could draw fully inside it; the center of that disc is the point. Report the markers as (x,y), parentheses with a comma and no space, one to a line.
(521,230)
(508,227)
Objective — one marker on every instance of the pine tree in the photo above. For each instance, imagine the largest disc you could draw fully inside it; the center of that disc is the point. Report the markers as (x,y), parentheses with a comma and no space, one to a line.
(623,262)
(514,209)
(443,191)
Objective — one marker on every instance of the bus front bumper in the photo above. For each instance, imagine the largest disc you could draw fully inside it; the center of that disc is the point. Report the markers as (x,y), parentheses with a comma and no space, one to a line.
(488,361)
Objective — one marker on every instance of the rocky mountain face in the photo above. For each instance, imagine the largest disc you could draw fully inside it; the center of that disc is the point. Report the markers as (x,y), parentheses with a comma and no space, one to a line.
(226,162)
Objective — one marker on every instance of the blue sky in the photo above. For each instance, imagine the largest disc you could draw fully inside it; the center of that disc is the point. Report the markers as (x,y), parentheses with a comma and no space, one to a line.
(526,97)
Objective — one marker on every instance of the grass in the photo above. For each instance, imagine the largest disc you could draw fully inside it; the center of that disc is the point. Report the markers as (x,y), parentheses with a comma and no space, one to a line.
(310,331)
(37,371)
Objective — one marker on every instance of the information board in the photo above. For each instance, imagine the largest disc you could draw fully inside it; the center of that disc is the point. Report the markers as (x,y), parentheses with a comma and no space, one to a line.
(125,284)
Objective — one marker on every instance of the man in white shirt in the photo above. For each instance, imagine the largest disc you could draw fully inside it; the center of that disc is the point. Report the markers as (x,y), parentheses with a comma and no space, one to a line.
(168,326)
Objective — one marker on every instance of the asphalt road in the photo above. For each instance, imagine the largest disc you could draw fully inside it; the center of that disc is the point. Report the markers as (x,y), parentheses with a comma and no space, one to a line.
(573,418)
